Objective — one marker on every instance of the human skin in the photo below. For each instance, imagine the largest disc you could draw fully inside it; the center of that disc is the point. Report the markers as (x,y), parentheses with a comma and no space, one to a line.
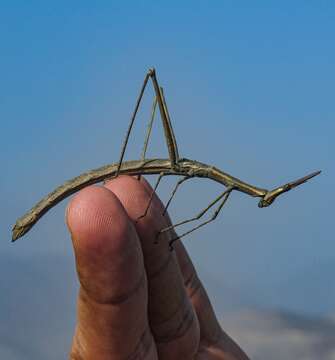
(137,300)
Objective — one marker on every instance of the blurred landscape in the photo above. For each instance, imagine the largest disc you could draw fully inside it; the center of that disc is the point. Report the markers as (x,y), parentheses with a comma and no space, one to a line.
(40,301)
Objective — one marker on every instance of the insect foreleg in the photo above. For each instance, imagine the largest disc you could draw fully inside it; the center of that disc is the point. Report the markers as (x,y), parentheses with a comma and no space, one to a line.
(132,120)
(151,196)
(168,130)
(148,133)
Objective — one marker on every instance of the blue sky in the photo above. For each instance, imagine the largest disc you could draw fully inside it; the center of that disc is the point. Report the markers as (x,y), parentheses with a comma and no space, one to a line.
(250,88)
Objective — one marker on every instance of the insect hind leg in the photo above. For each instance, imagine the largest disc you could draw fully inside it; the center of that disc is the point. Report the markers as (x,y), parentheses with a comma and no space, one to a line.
(224,197)
(214,216)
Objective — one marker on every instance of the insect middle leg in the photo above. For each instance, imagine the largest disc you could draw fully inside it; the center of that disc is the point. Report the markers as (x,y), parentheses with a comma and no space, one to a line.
(171,197)
(174,192)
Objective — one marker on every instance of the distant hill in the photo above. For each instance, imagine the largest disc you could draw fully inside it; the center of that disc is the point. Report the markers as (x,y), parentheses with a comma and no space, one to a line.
(276,335)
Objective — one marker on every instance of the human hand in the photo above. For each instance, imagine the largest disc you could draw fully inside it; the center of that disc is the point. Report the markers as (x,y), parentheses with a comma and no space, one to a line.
(137,300)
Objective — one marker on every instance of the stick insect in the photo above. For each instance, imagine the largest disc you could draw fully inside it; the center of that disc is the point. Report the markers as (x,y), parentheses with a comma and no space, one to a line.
(174,165)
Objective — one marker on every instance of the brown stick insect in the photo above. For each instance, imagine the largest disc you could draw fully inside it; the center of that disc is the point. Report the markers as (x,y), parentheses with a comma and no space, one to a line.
(174,165)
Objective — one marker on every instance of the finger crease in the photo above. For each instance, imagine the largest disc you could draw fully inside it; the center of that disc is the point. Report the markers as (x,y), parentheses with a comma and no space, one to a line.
(193,284)
(161,268)
(189,279)
(178,331)
(214,340)
(143,347)
(119,299)
(195,289)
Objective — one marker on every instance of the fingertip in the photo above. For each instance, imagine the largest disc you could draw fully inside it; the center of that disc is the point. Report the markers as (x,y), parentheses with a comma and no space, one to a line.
(107,250)
(92,216)
(133,194)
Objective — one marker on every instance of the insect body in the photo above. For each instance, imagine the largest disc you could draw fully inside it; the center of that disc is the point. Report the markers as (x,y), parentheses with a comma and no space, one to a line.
(171,166)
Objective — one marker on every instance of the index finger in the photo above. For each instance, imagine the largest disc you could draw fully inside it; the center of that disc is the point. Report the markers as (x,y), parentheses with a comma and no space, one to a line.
(112,302)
